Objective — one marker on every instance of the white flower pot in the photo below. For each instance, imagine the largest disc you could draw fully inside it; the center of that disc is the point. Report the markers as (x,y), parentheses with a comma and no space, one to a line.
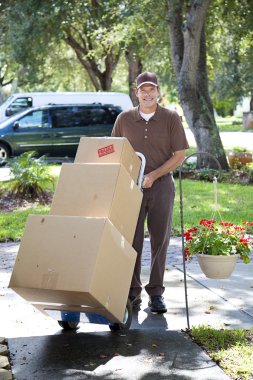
(217,266)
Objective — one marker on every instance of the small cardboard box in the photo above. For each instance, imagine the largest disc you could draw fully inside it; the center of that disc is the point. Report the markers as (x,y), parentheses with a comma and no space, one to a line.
(77,261)
(99,190)
(109,150)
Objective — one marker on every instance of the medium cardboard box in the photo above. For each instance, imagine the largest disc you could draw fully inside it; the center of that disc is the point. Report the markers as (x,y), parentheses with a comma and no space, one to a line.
(99,190)
(77,261)
(109,150)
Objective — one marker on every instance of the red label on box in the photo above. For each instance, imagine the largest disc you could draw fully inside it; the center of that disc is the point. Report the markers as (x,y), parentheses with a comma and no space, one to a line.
(106,150)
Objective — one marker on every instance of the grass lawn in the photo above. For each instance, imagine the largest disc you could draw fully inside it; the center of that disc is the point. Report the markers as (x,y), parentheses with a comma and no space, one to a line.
(12,224)
(230,123)
(232,350)
(235,205)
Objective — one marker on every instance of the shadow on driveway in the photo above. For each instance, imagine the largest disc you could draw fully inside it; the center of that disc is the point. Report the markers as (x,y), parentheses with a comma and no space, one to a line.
(147,353)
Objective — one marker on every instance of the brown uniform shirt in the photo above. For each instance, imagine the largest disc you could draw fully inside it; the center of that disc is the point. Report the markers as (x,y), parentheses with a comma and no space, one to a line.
(157,139)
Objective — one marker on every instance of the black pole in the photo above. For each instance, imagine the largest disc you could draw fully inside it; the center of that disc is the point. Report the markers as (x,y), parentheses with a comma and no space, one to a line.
(182,223)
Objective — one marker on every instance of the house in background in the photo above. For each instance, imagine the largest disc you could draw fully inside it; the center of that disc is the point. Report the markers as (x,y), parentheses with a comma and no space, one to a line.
(243,106)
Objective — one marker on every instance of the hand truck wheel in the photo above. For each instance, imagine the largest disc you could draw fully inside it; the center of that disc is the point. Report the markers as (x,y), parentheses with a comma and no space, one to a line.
(69,325)
(127,319)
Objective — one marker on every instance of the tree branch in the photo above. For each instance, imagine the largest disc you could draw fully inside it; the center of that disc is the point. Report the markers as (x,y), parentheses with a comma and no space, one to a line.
(89,64)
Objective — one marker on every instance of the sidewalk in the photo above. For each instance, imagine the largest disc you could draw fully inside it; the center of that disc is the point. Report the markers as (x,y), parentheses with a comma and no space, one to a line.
(154,347)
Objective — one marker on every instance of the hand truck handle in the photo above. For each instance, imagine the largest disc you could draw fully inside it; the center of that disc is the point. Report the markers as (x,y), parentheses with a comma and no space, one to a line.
(142,168)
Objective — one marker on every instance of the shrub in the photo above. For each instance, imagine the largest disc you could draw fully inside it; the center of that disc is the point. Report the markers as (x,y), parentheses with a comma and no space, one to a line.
(30,176)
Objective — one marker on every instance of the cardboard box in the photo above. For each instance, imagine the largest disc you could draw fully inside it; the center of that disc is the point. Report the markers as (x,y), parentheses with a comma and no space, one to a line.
(75,261)
(99,190)
(109,150)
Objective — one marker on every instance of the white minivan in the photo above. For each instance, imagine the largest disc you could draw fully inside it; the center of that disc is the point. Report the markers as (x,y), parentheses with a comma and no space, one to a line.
(21,101)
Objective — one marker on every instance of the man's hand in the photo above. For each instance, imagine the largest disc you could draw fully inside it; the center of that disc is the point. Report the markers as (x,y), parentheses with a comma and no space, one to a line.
(167,167)
(148,181)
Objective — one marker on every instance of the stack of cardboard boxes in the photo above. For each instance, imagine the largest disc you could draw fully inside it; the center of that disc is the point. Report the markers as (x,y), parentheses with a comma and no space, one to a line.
(80,257)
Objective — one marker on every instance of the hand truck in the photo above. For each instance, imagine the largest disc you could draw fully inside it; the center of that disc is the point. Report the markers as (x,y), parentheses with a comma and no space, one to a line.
(70,319)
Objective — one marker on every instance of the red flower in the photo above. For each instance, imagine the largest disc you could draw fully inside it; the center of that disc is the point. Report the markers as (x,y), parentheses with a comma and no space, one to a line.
(248,223)
(219,238)
(238,228)
(207,223)
(187,253)
(226,224)
(188,236)
(244,240)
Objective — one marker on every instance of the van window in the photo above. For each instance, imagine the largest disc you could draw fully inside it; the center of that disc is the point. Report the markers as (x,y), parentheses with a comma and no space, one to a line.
(112,114)
(19,104)
(75,116)
(35,119)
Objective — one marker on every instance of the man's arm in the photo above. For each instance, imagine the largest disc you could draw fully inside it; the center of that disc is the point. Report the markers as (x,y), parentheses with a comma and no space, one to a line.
(167,167)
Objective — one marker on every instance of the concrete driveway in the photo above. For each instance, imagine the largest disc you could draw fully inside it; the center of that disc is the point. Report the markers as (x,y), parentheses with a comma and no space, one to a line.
(229,139)
(155,347)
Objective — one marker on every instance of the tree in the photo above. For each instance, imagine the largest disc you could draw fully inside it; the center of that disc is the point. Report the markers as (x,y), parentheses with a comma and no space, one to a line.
(6,74)
(5,79)
(146,42)
(98,32)
(88,27)
(188,46)
(230,49)
(95,39)
(134,69)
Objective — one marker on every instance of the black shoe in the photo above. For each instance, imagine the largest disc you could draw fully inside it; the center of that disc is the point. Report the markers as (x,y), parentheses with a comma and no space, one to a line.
(157,305)
(135,300)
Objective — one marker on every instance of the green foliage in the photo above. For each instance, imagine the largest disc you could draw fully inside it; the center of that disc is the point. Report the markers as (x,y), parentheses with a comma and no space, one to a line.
(224,106)
(231,349)
(30,175)
(230,52)
(90,29)
(239,149)
(33,34)
(12,223)
(97,33)
(248,168)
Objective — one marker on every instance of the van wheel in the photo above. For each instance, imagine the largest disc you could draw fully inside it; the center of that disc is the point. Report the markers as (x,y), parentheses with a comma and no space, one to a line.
(4,152)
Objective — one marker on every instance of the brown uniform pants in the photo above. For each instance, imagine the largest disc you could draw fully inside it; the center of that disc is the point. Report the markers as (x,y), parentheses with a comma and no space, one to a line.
(157,206)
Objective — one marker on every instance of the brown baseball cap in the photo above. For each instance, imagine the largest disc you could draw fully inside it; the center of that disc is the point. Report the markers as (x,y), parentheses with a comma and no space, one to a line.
(146,78)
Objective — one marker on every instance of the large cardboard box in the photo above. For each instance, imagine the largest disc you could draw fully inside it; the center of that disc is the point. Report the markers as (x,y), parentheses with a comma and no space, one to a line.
(99,190)
(109,150)
(75,261)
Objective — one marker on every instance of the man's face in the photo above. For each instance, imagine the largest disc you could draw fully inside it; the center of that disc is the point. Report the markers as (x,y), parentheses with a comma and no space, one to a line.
(147,95)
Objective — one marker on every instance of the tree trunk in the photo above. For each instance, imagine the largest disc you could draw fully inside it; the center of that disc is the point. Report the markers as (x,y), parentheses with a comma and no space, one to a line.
(3,83)
(101,80)
(188,47)
(1,95)
(251,102)
(134,69)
